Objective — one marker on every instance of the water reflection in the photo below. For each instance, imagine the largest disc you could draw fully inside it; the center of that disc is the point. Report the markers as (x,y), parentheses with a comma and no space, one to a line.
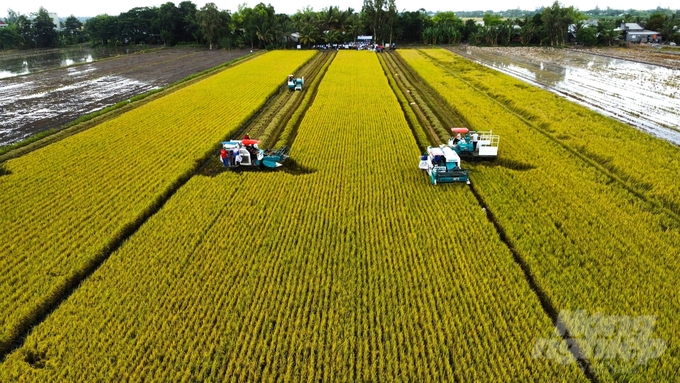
(639,94)
(23,62)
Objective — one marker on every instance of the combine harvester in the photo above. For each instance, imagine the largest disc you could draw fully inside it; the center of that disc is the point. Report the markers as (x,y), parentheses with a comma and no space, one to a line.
(295,83)
(245,153)
(442,164)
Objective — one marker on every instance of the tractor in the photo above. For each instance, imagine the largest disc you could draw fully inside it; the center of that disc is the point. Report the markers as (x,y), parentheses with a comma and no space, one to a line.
(295,83)
(250,156)
(442,165)
(463,143)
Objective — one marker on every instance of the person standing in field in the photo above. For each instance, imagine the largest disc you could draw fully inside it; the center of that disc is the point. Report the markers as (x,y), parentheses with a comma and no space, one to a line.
(475,138)
(223,156)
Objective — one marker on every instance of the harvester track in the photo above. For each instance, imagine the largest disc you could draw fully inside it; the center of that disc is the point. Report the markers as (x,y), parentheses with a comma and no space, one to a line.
(268,124)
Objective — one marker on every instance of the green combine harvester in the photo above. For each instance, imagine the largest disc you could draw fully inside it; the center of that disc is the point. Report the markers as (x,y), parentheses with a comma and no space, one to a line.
(295,83)
(245,153)
(442,165)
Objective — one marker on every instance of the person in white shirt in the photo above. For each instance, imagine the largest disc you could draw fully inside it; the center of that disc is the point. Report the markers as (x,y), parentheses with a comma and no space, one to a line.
(475,138)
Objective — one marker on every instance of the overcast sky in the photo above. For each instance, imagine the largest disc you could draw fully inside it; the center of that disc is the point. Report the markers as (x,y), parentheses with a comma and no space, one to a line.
(65,8)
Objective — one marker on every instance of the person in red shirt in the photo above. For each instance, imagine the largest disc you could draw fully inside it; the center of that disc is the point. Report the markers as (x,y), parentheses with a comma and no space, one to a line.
(223,156)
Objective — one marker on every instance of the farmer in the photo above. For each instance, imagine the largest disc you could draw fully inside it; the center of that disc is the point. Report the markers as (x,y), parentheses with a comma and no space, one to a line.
(457,139)
(229,158)
(223,156)
(237,156)
(475,138)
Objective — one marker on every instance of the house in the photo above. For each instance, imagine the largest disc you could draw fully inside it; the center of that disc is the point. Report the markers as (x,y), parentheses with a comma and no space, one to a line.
(633,32)
(3,24)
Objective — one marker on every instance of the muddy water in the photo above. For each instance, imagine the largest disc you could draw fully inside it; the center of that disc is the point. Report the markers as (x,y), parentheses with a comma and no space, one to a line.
(18,63)
(642,95)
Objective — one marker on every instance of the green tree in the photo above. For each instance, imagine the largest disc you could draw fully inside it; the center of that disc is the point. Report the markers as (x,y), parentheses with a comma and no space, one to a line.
(25,30)
(169,23)
(669,29)
(556,19)
(607,32)
(413,24)
(139,25)
(73,30)
(213,23)
(374,15)
(491,19)
(586,35)
(655,21)
(44,30)
(103,29)
(10,38)
(188,27)
(12,17)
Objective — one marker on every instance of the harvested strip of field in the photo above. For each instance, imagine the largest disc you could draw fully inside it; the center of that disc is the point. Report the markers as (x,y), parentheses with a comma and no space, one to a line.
(66,204)
(589,242)
(50,99)
(361,271)
(268,125)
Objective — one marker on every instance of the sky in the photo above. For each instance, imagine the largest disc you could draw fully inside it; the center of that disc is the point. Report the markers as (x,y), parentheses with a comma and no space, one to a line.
(64,8)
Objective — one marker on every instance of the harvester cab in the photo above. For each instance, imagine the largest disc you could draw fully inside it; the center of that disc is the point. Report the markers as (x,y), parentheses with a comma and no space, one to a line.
(463,143)
(246,153)
(295,83)
(442,165)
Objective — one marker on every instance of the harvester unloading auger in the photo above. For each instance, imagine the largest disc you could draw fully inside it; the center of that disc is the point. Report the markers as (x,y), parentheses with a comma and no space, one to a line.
(295,83)
(442,164)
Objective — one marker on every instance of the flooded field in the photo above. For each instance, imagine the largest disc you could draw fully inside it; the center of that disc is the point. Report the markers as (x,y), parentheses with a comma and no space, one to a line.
(17,63)
(643,95)
(51,98)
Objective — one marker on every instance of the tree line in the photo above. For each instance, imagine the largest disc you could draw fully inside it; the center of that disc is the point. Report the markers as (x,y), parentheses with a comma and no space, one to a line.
(262,27)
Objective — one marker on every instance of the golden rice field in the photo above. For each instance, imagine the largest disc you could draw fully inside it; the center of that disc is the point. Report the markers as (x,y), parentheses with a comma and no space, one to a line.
(591,243)
(355,270)
(64,205)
